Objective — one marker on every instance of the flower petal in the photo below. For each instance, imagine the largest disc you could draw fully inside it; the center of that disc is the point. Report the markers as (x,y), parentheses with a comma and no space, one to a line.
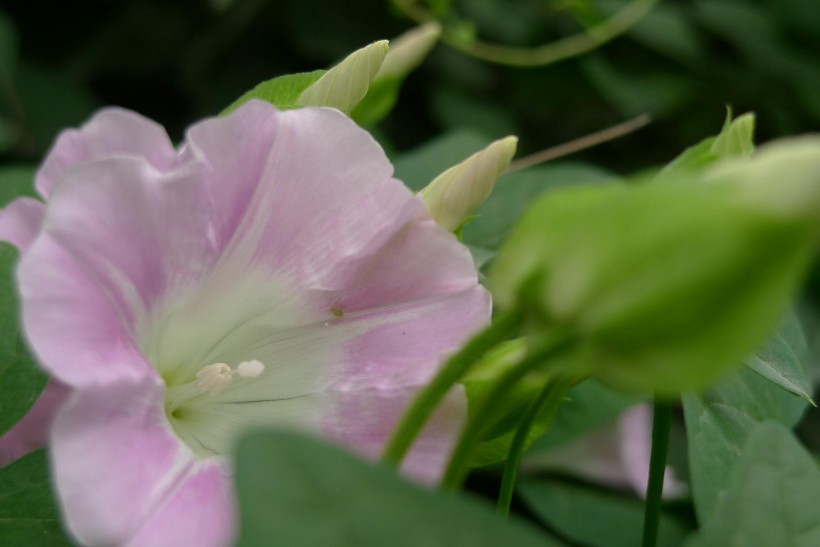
(117,236)
(112,132)
(363,420)
(200,512)
(20,222)
(115,460)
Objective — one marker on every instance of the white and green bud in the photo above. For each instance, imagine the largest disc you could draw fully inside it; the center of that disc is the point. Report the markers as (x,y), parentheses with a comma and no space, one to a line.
(408,51)
(346,84)
(455,193)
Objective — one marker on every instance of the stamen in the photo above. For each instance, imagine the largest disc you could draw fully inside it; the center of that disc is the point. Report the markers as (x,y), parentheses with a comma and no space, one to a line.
(212,379)
(250,369)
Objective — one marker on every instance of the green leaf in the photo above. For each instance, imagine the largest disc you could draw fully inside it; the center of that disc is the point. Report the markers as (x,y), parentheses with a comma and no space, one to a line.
(784,359)
(590,405)
(594,517)
(515,192)
(16,181)
(8,53)
(298,491)
(21,378)
(282,92)
(718,423)
(28,513)
(772,496)
(379,101)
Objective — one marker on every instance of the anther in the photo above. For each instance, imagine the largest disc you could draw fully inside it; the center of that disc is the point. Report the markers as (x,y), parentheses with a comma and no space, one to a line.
(250,369)
(212,379)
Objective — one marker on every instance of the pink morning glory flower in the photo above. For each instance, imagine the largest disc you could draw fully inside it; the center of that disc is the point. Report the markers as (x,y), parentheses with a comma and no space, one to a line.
(268,272)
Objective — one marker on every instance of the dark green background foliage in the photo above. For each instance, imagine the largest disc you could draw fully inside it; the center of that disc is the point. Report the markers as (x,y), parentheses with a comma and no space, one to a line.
(177,61)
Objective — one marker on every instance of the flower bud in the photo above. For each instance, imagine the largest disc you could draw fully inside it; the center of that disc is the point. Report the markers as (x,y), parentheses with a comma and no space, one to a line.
(408,51)
(456,192)
(344,85)
(664,286)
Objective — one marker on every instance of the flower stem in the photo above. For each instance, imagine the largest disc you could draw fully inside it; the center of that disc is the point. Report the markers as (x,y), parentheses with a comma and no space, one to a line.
(429,397)
(661,423)
(459,460)
(547,403)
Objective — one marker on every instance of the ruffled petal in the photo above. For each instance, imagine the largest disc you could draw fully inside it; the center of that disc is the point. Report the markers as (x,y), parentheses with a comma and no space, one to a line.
(110,133)
(117,238)
(115,460)
(20,222)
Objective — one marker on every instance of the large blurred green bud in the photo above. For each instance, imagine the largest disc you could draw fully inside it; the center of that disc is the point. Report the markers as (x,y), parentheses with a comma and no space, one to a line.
(344,85)
(453,195)
(666,286)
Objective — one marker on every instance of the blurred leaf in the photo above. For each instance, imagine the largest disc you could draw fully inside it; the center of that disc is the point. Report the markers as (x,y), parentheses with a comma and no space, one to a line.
(771,498)
(594,517)
(51,103)
(8,54)
(513,193)
(634,93)
(380,99)
(16,181)
(298,491)
(719,421)
(28,512)
(282,92)
(8,134)
(421,165)
(456,109)
(785,359)
(21,378)
(590,405)
(668,30)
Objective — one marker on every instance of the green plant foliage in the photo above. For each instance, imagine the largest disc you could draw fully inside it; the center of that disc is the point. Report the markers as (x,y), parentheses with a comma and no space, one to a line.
(719,420)
(590,405)
(772,496)
(515,192)
(594,517)
(16,181)
(302,492)
(282,92)
(21,378)
(28,514)
(784,359)
(638,276)
(734,140)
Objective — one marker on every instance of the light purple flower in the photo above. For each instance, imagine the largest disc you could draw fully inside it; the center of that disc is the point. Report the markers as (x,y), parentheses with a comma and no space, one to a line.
(154,273)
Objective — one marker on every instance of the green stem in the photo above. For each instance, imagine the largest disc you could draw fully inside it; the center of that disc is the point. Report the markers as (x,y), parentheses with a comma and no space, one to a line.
(459,460)
(572,46)
(546,403)
(661,423)
(431,395)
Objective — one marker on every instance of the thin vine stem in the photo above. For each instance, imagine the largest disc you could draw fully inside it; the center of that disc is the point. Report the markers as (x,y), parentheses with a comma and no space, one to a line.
(431,395)
(661,424)
(546,404)
(571,46)
(459,460)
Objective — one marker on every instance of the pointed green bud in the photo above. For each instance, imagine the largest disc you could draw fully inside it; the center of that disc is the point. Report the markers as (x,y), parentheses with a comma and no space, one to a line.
(453,195)
(344,85)
(736,138)
(408,51)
